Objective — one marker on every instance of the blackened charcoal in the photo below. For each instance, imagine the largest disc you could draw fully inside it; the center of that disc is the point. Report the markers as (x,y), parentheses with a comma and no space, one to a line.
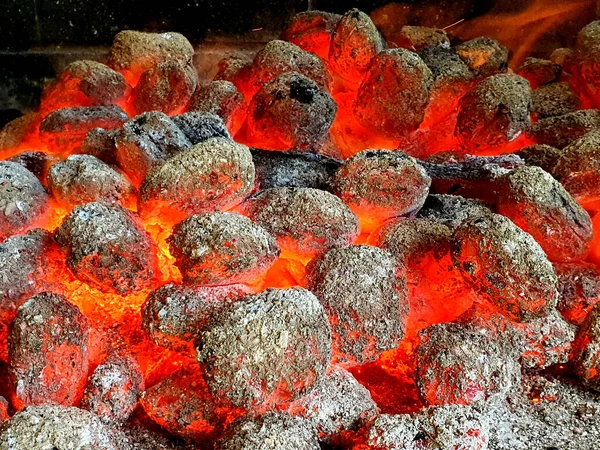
(554,99)
(445,65)
(494,113)
(578,288)
(37,163)
(182,404)
(304,221)
(451,210)
(215,174)
(560,131)
(382,104)
(460,364)
(484,56)
(56,427)
(65,129)
(48,352)
(221,248)
(539,71)
(167,87)
(271,431)
(173,314)
(101,144)
(134,52)
(290,112)
(267,349)
(82,179)
(85,83)
(541,155)
(106,247)
(23,200)
(380,184)
(312,31)
(364,294)
(540,206)
(586,349)
(355,42)
(417,38)
(339,404)
(147,141)
(222,98)
(199,127)
(296,170)
(505,265)
(113,389)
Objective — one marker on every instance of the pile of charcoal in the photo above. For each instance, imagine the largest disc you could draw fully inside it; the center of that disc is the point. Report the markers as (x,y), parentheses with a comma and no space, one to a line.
(348,242)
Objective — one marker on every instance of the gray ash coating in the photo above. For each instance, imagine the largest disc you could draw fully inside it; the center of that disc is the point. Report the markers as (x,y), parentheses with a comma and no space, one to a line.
(364,295)
(268,348)
(83,178)
(23,200)
(461,364)
(293,170)
(541,155)
(451,210)
(495,112)
(445,65)
(382,103)
(199,126)
(586,350)
(339,404)
(221,248)
(554,99)
(106,247)
(539,71)
(174,314)
(101,144)
(560,131)
(271,431)
(140,438)
(167,87)
(37,163)
(304,221)
(55,427)
(578,288)
(222,98)
(147,141)
(540,206)
(355,42)
(48,351)
(215,174)
(113,389)
(483,55)
(506,265)
(291,111)
(417,38)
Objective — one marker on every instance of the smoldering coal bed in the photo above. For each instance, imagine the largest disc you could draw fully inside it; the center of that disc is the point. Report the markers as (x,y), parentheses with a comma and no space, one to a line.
(348,241)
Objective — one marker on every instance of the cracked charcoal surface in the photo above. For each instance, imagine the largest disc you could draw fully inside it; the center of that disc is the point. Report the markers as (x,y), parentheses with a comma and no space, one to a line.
(174,314)
(506,265)
(541,155)
(483,55)
(271,431)
(83,178)
(539,71)
(380,184)
(339,404)
(55,427)
(100,143)
(540,206)
(134,52)
(312,31)
(461,364)
(222,98)
(365,296)
(106,247)
(215,174)
(23,200)
(146,141)
(113,389)
(304,221)
(554,99)
(560,131)
(578,288)
(417,38)
(294,170)
(382,102)
(268,348)
(291,112)
(355,42)
(198,126)
(167,87)
(495,112)
(48,352)
(221,248)
(451,210)
(586,349)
